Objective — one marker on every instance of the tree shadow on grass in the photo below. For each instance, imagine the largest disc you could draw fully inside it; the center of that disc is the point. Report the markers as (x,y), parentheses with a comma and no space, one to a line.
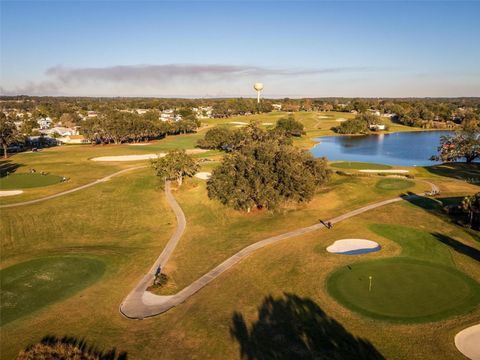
(7,166)
(291,327)
(458,246)
(445,208)
(68,347)
(461,171)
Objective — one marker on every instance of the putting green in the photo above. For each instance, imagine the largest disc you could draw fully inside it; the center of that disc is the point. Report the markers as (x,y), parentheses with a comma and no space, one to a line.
(394,184)
(404,290)
(27,180)
(31,285)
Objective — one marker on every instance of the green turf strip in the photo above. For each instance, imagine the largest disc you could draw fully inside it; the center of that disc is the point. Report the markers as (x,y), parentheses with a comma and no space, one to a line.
(31,285)
(394,184)
(404,290)
(360,166)
(27,180)
(417,244)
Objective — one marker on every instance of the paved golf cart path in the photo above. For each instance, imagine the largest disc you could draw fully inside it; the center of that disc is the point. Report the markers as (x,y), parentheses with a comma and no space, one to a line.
(99,181)
(140,303)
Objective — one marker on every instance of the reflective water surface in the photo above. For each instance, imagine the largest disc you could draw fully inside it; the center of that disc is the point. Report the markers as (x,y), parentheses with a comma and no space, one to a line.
(401,149)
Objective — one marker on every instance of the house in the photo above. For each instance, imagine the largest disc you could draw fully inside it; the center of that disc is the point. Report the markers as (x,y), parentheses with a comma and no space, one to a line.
(91,114)
(44,123)
(277,107)
(203,112)
(60,130)
(376,127)
(73,139)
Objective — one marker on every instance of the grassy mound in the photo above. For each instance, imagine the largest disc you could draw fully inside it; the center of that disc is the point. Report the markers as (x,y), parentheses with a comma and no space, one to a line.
(360,166)
(27,180)
(394,184)
(31,285)
(404,290)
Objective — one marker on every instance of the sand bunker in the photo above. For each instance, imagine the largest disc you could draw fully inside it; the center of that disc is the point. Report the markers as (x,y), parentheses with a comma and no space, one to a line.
(139,144)
(341,119)
(467,342)
(142,156)
(10,192)
(203,175)
(385,171)
(353,246)
(238,123)
(266,124)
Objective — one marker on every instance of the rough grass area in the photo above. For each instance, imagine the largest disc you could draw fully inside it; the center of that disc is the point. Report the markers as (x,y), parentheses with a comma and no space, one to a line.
(394,184)
(31,285)
(359,166)
(27,180)
(404,290)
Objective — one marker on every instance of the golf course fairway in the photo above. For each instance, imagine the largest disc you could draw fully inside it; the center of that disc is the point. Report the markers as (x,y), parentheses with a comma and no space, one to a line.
(31,285)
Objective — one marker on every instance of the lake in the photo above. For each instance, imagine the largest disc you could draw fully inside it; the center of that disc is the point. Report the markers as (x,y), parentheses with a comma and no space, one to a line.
(400,149)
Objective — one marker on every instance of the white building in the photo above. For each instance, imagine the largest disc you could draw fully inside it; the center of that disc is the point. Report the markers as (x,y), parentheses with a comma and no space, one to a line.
(73,139)
(44,123)
(377,127)
(277,107)
(60,130)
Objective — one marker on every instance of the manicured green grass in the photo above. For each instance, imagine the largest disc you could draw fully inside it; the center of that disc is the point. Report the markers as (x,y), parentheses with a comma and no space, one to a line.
(360,166)
(31,285)
(394,184)
(408,288)
(404,290)
(417,244)
(27,180)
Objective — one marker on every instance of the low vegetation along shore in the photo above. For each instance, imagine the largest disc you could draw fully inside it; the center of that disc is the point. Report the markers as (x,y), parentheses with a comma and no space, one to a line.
(68,262)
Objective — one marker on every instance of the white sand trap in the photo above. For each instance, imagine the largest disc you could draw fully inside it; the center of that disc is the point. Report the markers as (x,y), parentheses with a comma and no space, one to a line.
(353,246)
(142,156)
(128,157)
(467,342)
(323,117)
(139,144)
(266,124)
(203,175)
(10,192)
(341,120)
(238,123)
(393,171)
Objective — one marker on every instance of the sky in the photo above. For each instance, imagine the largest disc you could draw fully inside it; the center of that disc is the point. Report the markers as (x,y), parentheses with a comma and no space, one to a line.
(220,48)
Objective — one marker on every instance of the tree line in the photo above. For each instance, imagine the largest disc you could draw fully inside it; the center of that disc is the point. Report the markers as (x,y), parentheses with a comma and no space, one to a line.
(119,127)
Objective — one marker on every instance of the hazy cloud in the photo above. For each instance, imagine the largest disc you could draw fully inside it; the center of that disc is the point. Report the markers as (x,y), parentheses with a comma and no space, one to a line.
(172,71)
(165,79)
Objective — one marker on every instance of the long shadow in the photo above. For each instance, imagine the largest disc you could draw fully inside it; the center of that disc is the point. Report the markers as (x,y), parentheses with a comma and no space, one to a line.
(46,349)
(292,327)
(7,166)
(461,171)
(458,246)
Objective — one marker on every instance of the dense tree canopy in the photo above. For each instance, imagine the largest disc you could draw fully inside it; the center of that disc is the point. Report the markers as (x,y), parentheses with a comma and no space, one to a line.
(119,127)
(464,144)
(291,126)
(226,139)
(8,133)
(264,173)
(175,165)
(471,206)
(359,125)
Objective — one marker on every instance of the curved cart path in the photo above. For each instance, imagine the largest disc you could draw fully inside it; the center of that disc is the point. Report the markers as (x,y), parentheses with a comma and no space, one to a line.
(140,303)
(106,178)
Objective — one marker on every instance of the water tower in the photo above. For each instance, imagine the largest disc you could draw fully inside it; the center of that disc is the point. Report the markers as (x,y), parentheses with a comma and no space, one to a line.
(258,88)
